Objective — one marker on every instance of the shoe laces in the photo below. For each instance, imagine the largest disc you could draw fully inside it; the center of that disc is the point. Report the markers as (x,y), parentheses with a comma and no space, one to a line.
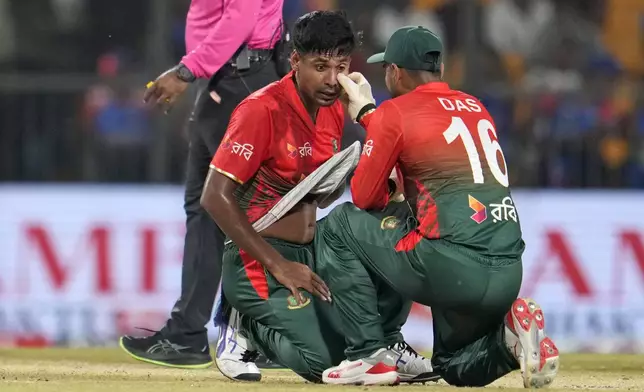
(249,356)
(405,347)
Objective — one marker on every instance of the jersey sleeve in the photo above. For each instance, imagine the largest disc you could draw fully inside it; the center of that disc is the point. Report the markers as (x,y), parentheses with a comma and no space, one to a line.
(246,143)
(369,185)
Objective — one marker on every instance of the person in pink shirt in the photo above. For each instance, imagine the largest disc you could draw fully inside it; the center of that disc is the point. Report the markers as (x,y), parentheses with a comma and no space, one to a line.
(234,48)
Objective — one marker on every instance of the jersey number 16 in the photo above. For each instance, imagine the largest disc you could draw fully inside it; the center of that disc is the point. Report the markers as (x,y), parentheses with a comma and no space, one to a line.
(490,147)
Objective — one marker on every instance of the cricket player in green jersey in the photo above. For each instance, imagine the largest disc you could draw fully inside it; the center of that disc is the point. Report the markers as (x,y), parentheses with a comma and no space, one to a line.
(459,248)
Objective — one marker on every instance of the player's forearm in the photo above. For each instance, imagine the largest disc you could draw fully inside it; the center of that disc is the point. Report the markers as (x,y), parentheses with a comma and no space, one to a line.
(224,209)
(228,35)
(367,197)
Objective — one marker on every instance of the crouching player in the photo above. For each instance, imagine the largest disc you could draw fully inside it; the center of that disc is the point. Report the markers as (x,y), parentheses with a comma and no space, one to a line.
(275,138)
(459,252)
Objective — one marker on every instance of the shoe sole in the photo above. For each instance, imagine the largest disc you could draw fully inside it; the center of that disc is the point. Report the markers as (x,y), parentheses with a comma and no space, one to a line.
(204,365)
(389,378)
(419,378)
(246,377)
(540,362)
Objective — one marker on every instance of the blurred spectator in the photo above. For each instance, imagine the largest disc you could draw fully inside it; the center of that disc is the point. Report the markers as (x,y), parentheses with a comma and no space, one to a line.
(514,26)
(121,136)
(391,14)
(563,80)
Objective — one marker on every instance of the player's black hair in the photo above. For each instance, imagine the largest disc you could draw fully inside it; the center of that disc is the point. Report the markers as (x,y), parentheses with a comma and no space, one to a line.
(324,32)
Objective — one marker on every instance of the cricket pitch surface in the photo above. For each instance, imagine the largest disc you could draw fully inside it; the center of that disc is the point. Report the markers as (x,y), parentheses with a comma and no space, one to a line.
(111,370)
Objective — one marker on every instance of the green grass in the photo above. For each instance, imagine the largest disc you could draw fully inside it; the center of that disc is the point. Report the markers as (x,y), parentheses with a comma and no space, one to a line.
(111,370)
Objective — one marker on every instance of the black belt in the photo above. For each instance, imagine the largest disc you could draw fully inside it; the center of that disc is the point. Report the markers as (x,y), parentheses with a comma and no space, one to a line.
(255,56)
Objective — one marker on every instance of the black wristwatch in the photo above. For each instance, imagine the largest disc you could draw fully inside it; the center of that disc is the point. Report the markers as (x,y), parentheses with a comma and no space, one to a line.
(183,73)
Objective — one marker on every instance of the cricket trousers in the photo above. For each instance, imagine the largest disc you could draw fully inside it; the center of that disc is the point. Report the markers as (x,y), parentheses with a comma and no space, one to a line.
(469,295)
(304,338)
(204,240)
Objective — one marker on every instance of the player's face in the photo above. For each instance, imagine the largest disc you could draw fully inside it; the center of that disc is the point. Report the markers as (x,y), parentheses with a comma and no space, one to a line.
(317,76)
(392,80)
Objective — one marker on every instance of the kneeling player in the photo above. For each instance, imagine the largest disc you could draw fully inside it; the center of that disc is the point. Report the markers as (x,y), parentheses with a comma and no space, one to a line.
(459,251)
(275,138)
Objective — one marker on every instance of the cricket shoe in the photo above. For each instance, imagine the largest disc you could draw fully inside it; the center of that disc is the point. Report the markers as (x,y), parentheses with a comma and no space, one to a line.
(411,366)
(526,339)
(186,352)
(236,356)
(377,369)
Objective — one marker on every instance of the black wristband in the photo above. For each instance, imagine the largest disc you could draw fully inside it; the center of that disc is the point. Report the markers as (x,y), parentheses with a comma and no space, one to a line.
(364,110)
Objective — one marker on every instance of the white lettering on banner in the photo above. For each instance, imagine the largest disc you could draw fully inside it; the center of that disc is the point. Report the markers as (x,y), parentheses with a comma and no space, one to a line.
(306,150)
(245,150)
(501,212)
(104,266)
(368,146)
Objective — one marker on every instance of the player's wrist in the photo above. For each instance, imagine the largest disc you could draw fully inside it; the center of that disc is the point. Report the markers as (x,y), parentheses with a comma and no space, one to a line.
(184,73)
(366,109)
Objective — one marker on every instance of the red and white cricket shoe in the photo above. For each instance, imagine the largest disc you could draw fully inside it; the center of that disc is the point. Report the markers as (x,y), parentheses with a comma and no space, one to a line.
(526,338)
(377,369)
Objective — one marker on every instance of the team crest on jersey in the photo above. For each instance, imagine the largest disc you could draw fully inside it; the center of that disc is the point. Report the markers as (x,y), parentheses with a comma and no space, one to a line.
(292,303)
(480,211)
(226,143)
(389,223)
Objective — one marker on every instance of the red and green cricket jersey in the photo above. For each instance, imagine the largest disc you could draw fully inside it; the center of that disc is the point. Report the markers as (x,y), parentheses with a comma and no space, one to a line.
(271,144)
(455,176)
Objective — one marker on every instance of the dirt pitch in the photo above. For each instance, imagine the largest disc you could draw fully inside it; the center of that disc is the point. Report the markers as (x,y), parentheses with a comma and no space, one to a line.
(110,370)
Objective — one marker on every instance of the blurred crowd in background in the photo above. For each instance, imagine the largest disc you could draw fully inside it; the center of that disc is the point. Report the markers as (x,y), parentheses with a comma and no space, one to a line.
(563,80)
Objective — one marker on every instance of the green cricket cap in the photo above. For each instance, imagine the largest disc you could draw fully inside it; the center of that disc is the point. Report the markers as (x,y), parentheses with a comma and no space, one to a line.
(412,48)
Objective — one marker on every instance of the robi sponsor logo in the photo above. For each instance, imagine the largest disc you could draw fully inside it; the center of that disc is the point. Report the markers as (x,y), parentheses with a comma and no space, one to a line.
(304,151)
(501,212)
(480,211)
(243,150)
(368,147)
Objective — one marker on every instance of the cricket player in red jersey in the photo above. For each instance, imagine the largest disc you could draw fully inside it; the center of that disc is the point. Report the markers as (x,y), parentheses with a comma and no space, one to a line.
(275,138)
(459,248)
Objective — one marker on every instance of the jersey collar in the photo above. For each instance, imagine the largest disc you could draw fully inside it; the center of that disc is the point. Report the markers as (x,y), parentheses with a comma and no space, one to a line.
(433,86)
(294,100)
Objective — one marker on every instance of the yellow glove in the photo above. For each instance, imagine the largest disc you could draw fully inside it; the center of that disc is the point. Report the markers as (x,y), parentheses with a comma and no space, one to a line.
(358,90)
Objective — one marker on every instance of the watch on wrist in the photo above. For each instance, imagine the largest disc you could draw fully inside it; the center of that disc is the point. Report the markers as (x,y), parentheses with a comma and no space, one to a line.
(183,73)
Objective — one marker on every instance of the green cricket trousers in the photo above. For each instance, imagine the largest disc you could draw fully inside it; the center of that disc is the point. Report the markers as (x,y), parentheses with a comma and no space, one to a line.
(469,294)
(305,338)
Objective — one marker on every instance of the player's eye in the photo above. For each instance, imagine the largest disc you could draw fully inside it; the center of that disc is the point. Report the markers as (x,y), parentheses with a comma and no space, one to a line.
(342,68)
(320,67)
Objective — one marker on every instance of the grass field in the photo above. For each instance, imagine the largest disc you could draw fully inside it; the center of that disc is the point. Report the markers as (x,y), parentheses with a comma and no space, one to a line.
(110,370)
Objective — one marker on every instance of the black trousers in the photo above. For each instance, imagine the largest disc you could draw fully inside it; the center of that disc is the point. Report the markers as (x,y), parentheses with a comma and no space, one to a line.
(204,241)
